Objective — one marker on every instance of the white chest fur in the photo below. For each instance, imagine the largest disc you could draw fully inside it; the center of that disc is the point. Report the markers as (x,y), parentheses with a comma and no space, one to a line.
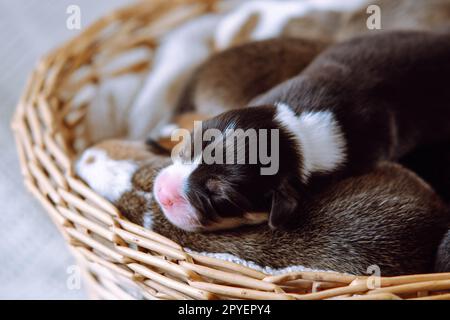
(319,136)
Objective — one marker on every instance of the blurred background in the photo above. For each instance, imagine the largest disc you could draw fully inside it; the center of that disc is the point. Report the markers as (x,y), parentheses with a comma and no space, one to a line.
(35,262)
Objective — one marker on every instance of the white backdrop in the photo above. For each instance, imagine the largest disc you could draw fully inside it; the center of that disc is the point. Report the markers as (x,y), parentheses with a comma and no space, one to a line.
(33,256)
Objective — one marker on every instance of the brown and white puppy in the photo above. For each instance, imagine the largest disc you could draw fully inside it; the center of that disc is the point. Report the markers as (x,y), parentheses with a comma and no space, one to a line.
(333,21)
(388,217)
(229,80)
(362,101)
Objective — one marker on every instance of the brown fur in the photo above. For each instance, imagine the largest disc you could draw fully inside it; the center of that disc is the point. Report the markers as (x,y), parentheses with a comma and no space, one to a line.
(388,217)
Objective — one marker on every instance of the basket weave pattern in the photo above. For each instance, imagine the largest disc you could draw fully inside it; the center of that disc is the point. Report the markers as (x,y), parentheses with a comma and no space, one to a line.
(118,259)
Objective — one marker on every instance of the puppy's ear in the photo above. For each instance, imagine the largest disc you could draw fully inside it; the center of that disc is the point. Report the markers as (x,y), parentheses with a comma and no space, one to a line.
(285,206)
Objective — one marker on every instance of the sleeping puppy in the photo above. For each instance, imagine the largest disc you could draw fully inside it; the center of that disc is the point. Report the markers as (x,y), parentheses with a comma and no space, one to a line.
(388,217)
(358,103)
(232,78)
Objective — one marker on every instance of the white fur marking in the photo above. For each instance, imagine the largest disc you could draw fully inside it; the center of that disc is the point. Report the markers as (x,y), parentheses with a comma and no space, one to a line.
(321,141)
(108,177)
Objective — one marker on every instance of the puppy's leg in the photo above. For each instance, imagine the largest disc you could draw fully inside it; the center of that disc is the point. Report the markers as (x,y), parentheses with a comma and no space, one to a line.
(431,163)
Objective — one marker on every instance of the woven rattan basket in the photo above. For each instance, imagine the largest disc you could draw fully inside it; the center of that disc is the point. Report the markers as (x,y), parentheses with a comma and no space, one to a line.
(118,259)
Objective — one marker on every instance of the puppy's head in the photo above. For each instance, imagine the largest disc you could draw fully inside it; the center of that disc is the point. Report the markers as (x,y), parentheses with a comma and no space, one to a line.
(241,167)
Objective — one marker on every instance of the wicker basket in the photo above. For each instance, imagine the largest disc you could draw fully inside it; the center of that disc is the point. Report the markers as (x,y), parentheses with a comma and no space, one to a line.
(118,259)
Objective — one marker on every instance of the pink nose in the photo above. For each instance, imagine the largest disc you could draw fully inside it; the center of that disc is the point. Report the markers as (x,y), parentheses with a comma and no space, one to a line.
(166,197)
